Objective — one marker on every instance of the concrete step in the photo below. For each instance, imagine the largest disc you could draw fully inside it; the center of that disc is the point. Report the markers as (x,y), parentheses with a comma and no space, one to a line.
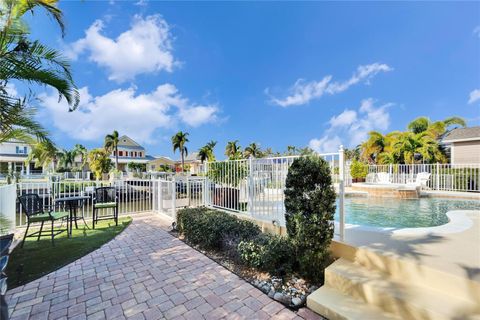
(402,298)
(334,305)
(409,271)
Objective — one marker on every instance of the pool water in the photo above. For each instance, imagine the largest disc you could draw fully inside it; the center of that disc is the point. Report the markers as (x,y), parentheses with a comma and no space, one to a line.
(402,213)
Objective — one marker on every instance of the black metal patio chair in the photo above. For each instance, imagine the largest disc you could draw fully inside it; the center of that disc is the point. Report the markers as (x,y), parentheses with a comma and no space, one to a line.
(37,213)
(105,198)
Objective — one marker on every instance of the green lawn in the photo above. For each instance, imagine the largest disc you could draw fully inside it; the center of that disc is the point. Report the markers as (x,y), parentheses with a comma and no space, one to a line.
(36,259)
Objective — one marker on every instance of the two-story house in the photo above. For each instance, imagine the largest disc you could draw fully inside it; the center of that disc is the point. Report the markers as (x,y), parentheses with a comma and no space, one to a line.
(12,158)
(129,151)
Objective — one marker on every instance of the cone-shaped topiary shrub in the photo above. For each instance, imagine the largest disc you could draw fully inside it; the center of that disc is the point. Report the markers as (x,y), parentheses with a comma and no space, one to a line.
(310,208)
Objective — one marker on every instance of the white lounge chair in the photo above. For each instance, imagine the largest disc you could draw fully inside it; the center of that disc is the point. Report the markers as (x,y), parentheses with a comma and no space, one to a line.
(421,180)
(383,178)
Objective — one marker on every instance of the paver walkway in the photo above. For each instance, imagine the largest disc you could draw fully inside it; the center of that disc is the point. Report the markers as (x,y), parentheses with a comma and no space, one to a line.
(144,273)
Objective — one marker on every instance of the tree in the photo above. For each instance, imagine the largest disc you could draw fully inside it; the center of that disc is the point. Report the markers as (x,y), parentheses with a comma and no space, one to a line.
(80,150)
(373,146)
(291,151)
(111,145)
(253,150)
(435,129)
(178,142)
(99,162)
(309,213)
(43,153)
(32,64)
(206,152)
(232,150)
(66,158)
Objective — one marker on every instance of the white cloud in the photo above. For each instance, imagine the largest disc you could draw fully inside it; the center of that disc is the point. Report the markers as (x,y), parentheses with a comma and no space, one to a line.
(137,115)
(351,127)
(303,92)
(476,31)
(474,96)
(144,48)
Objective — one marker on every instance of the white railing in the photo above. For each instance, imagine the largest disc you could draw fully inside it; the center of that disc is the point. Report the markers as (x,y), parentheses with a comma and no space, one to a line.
(255,186)
(7,207)
(134,195)
(443,177)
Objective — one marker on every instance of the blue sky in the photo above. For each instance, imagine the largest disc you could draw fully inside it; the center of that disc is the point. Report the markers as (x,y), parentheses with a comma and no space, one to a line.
(277,74)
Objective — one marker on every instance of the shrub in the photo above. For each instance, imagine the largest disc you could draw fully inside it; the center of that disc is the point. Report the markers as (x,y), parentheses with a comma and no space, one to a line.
(213,229)
(358,170)
(310,209)
(271,253)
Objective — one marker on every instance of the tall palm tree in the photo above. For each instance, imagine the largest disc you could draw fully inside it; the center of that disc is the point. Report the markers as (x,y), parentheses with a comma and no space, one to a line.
(211,144)
(111,145)
(80,150)
(203,154)
(374,145)
(291,151)
(253,150)
(178,142)
(232,149)
(437,128)
(31,63)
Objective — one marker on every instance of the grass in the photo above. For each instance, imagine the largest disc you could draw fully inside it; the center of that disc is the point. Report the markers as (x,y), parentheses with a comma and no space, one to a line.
(37,259)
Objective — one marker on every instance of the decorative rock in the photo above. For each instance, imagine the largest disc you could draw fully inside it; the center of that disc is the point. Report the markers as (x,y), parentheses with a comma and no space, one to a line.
(271,293)
(296,301)
(280,297)
(266,288)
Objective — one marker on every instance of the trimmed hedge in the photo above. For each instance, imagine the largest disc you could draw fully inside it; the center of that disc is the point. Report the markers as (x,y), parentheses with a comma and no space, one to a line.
(240,239)
(214,230)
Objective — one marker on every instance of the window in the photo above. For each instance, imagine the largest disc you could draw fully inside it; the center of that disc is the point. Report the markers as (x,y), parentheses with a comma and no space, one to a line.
(21,150)
(120,153)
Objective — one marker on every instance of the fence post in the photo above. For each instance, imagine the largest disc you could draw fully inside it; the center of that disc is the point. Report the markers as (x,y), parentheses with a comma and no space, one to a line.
(341,192)
(188,191)
(438,176)
(205,185)
(174,196)
(250,186)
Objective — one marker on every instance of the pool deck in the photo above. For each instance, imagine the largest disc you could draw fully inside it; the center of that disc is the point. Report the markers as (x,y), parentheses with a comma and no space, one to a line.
(453,248)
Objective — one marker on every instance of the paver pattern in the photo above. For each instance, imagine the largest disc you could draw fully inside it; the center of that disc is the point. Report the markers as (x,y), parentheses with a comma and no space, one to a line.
(144,273)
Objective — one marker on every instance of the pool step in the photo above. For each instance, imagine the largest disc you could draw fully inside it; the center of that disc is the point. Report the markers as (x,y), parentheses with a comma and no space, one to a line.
(401,298)
(334,305)
(408,271)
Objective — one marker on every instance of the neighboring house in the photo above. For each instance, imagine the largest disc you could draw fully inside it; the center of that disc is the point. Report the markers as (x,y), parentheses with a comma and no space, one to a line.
(160,162)
(129,151)
(464,144)
(12,158)
(193,165)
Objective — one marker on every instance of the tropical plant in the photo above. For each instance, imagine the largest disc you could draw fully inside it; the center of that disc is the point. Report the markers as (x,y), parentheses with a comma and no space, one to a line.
(253,150)
(435,129)
(99,162)
(358,170)
(178,142)
(80,150)
(32,64)
(111,145)
(206,152)
(66,158)
(232,150)
(43,153)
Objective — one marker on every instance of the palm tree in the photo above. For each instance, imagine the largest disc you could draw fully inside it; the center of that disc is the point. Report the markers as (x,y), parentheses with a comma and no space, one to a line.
(31,63)
(291,151)
(253,150)
(178,142)
(66,158)
(43,153)
(111,145)
(437,128)
(232,149)
(203,153)
(80,150)
(206,152)
(374,145)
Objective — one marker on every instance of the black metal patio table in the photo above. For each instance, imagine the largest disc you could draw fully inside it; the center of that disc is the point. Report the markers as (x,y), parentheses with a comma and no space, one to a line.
(73,203)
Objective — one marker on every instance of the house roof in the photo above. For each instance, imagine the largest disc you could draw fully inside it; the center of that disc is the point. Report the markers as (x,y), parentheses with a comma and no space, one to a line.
(191,157)
(463,134)
(126,141)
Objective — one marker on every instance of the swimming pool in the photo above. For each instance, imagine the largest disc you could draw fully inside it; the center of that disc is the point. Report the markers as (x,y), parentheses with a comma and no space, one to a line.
(402,213)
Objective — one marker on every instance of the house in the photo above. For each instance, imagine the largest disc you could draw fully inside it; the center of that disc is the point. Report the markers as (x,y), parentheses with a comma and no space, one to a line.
(12,158)
(464,144)
(160,163)
(129,151)
(193,165)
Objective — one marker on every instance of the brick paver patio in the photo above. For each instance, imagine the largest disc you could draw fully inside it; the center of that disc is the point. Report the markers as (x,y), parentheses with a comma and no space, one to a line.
(144,273)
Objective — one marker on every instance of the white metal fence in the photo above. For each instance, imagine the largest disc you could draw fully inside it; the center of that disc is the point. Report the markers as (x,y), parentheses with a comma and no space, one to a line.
(255,186)
(443,177)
